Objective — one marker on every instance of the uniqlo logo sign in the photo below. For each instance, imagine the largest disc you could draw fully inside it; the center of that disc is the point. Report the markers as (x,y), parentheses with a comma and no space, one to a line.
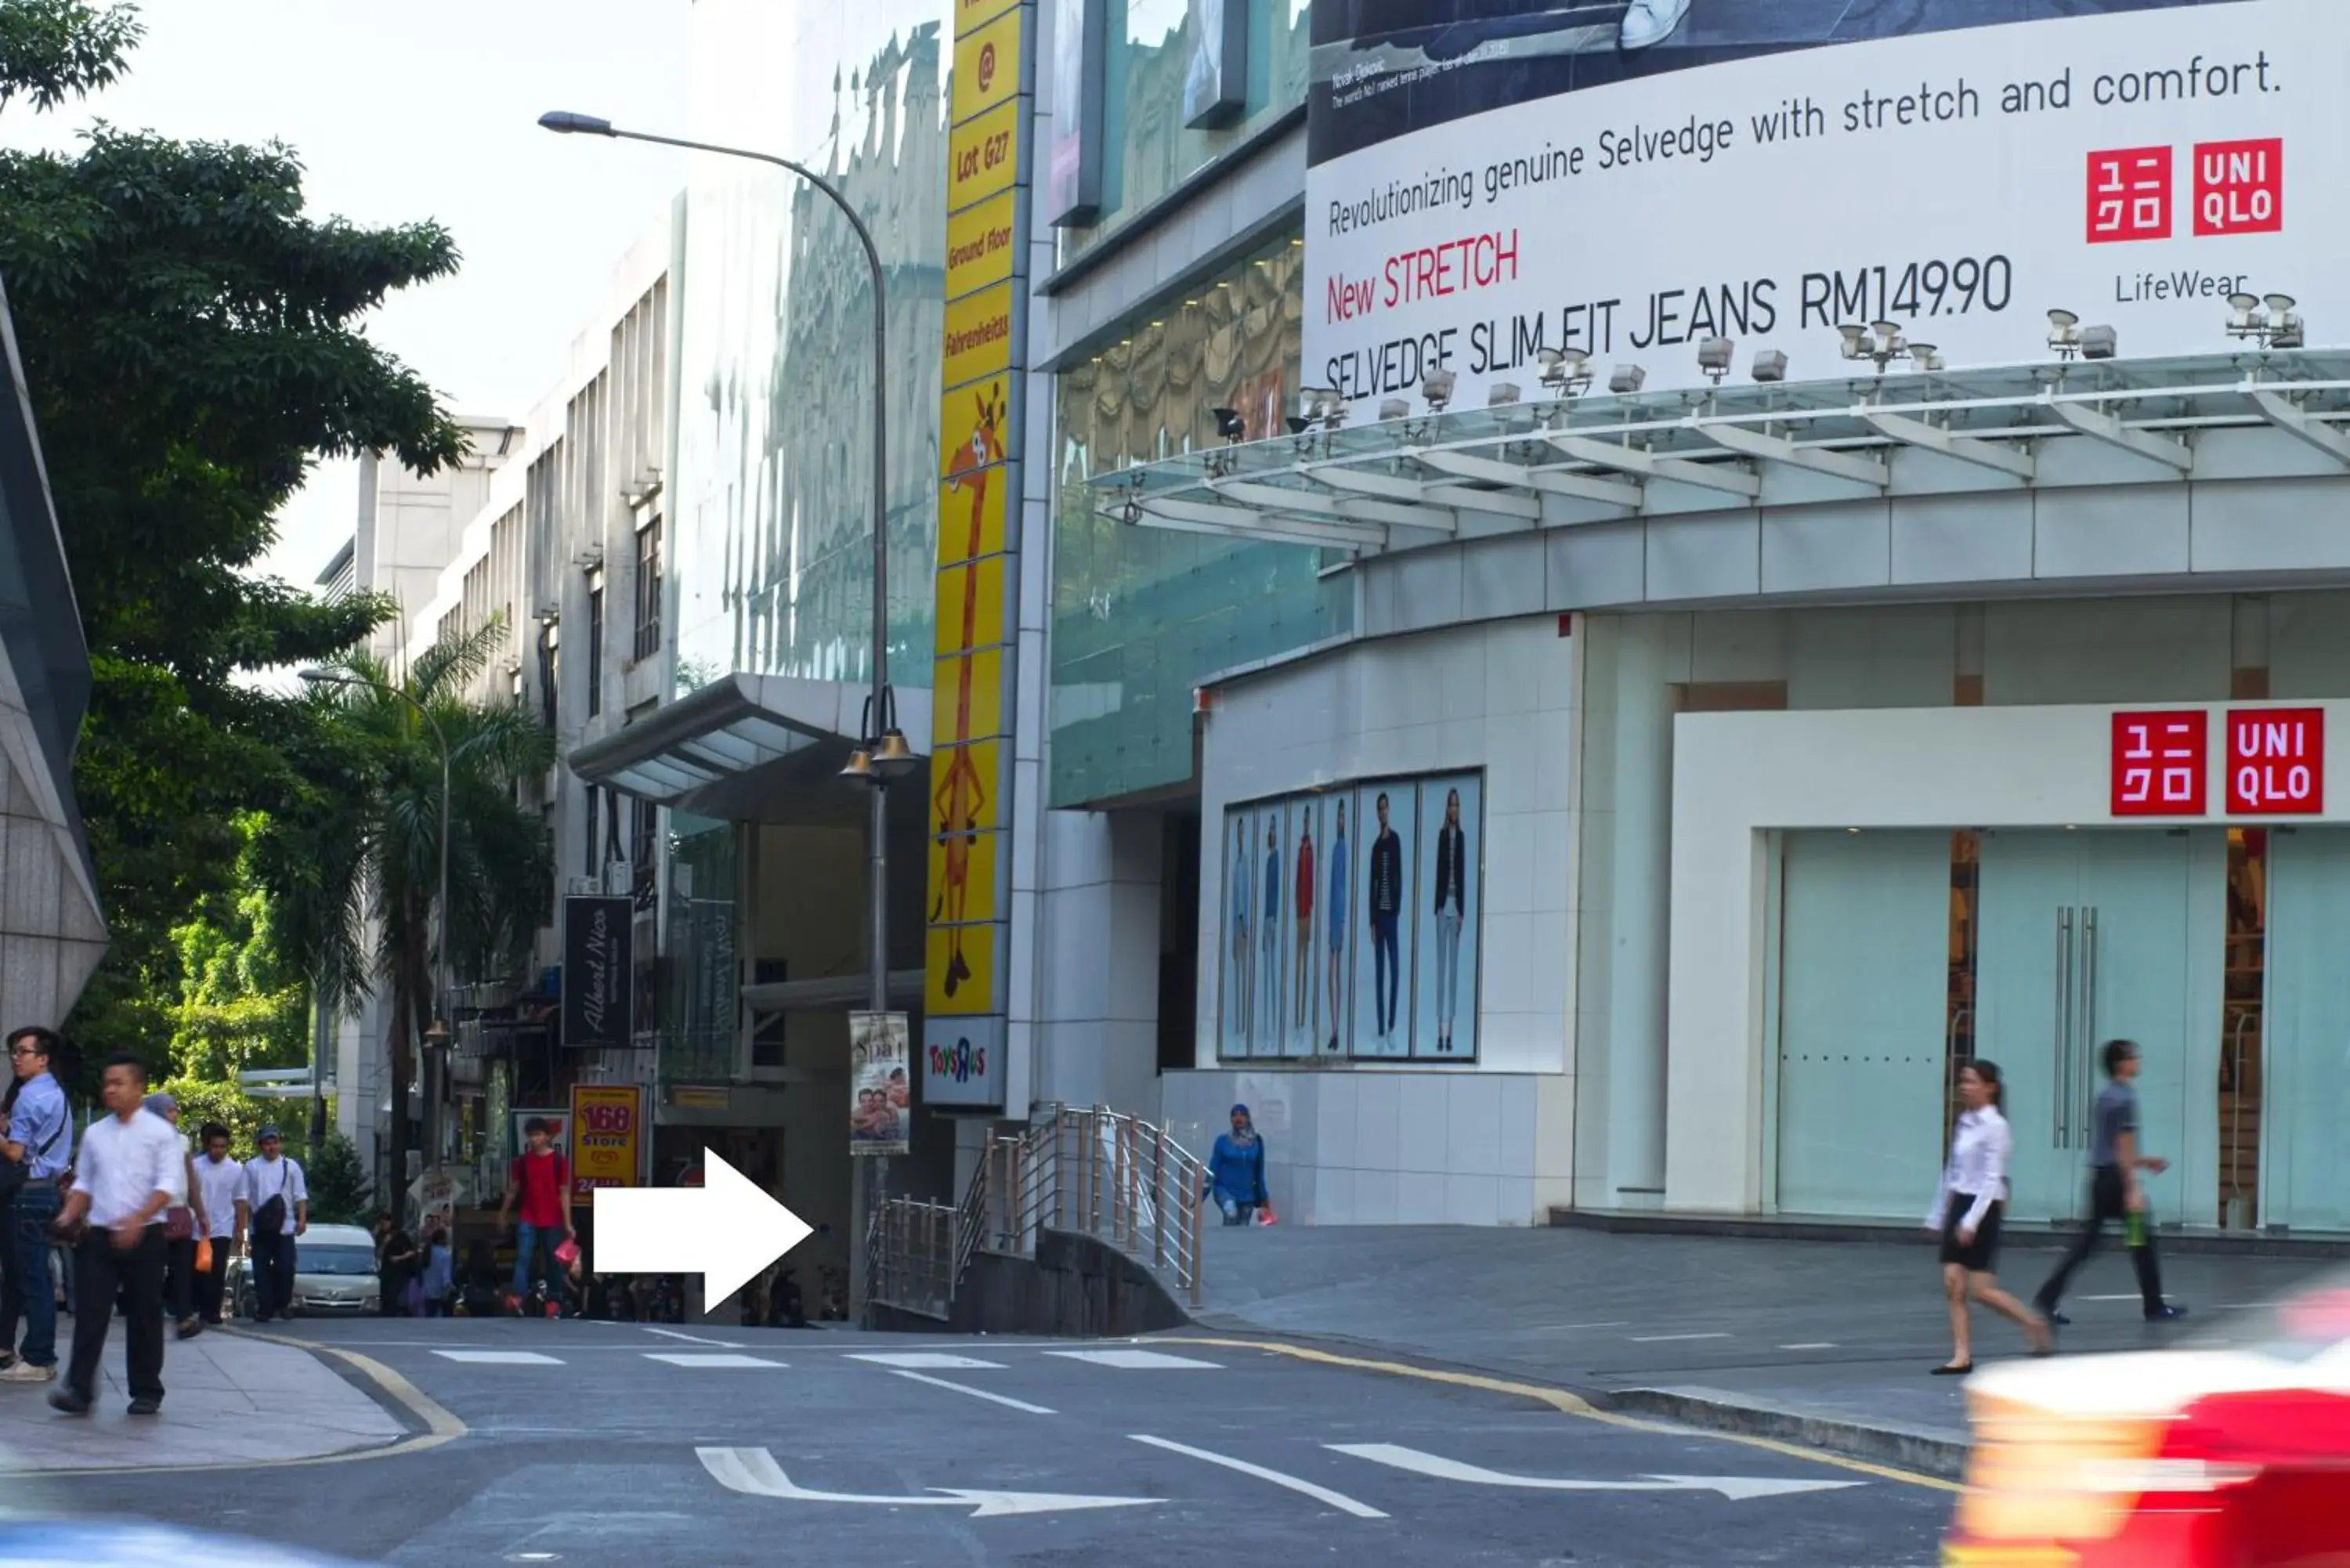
(2276,762)
(2239,187)
(2129,196)
(2160,763)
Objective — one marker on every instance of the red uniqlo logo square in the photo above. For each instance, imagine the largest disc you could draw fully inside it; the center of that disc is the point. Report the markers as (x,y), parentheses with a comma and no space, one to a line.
(2129,194)
(2239,187)
(2276,762)
(2159,764)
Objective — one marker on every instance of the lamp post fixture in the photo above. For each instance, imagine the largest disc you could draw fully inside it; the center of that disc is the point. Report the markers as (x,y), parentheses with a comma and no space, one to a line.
(437,1031)
(881,754)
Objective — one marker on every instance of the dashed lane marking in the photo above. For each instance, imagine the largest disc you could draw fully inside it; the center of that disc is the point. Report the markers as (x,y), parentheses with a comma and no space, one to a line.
(1670,1338)
(1566,1404)
(990,1395)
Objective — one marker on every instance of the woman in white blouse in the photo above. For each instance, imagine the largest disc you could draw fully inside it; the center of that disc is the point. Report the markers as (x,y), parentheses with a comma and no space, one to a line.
(1966,1215)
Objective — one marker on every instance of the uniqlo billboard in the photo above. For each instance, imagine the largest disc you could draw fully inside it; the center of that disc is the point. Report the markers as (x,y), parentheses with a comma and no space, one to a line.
(2276,762)
(2160,763)
(1488,183)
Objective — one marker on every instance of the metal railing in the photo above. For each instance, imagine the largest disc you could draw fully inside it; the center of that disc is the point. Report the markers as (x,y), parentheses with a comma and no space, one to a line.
(1097,1173)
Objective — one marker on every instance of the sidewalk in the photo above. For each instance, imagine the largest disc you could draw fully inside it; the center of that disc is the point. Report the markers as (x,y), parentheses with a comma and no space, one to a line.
(228,1400)
(1828,1342)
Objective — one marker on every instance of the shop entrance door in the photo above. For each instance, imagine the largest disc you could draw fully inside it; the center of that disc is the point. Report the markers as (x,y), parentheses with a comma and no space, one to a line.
(2303,1103)
(2089,937)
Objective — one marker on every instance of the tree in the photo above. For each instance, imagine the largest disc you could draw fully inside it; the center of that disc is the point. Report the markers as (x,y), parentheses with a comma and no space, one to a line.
(240,1007)
(363,861)
(340,1188)
(193,340)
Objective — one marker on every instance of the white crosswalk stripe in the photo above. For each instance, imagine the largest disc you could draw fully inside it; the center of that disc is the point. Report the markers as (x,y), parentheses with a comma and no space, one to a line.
(1137,1360)
(926,1361)
(499,1357)
(709,1358)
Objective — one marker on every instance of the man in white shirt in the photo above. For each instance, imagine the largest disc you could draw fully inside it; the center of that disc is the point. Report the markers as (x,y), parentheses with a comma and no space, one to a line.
(274,1209)
(221,1182)
(131,1168)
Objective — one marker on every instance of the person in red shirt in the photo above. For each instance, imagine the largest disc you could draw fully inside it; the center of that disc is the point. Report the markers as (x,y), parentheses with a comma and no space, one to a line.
(538,1182)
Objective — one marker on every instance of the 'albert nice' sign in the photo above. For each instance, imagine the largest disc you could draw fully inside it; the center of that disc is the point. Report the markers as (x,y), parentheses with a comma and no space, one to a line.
(2275,762)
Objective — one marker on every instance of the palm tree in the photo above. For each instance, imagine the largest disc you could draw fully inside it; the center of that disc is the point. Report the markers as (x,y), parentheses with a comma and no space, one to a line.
(357,870)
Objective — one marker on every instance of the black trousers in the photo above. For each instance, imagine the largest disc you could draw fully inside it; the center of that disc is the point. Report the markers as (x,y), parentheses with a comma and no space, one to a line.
(212,1285)
(136,1275)
(273,1274)
(2107,1205)
(180,1278)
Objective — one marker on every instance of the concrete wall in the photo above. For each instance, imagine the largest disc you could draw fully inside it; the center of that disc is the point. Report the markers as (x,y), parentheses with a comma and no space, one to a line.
(51,937)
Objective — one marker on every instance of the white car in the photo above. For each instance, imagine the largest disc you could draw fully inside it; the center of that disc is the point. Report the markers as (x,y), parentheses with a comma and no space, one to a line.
(334,1271)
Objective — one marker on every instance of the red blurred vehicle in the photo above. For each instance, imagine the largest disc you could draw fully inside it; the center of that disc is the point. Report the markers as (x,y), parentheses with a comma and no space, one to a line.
(2232,1452)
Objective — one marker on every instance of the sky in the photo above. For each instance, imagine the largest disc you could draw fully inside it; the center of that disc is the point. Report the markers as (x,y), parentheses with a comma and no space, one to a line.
(427,108)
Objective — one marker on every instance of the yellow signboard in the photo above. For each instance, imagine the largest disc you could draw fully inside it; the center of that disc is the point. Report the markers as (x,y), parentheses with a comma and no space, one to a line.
(982,156)
(971,14)
(607,1126)
(958,970)
(966,699)
(986,67)
(962,878)
(967,790)
(980,245)
(974,419)
(979,334)
(970,606)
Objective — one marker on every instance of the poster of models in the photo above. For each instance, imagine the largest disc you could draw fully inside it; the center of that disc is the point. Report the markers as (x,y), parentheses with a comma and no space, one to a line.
(1334,951)
(879,1087)
(1271,884)
(1450,841)
(1383,919)
(1303,1009)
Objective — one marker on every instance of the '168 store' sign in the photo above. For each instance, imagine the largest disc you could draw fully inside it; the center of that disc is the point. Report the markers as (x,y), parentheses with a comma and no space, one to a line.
(2275,762)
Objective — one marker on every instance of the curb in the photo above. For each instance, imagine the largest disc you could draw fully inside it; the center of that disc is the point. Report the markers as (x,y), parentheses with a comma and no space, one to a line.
(2034,1235)
(1927,1449)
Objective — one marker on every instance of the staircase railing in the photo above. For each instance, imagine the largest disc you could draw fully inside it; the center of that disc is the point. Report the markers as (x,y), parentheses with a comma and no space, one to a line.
(1099,1173)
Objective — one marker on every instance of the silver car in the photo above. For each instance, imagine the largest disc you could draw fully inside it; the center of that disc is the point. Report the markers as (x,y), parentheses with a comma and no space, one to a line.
(334,1271)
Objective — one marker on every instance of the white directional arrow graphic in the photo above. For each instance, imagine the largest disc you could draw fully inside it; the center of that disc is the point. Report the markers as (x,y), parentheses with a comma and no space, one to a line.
(754,1472)
(1736,1488)
(725,1230)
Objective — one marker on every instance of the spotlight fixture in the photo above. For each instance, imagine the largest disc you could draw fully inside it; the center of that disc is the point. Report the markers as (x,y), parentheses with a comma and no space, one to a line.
(1879,343)
(1925,357)
(2065,334)
(1856,340)
(1330,409)
(1437,388)
(2268,320)
(1501,394)
(1770,364)
(1626,379)
(1394,409)
(1298,426)
(2098,342)
(1713,356)
(1229,424)
(1565,372)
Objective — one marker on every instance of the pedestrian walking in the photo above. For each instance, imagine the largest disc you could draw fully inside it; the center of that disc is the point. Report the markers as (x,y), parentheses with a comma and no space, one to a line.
(395,1268)
(538,1183)
(182,1229)
(37,1152)
(218,1182)
(439,1275)
(1967,1214)
(2116,1193)
(131,1168)
(272,1211)
(1236,1171)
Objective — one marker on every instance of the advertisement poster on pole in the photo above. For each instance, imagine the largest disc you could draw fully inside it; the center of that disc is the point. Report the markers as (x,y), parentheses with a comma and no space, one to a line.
(1487,194)
(878,1088)
(607,1138)
(556,1117)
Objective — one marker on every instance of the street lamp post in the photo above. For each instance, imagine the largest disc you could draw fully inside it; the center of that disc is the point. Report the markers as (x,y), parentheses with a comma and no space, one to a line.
(437,1028)
(882,752)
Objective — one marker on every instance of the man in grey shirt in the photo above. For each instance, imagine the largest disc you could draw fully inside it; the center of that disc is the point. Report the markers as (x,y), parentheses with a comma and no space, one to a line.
(2115,1190)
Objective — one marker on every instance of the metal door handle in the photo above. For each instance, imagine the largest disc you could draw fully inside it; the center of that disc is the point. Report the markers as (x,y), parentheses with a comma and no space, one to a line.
(2085,1044)
(2062,1049)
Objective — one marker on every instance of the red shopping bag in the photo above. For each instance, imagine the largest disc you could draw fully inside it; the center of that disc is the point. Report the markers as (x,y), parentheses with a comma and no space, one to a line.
(566,1253)
(1265,1216)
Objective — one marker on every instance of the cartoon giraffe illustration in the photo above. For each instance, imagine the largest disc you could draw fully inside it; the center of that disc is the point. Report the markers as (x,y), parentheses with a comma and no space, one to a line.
(960,797)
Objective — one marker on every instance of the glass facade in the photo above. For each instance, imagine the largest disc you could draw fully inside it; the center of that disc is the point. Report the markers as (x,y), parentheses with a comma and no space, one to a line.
(699,990)
(771,547)
(1142,615)
(1153,46)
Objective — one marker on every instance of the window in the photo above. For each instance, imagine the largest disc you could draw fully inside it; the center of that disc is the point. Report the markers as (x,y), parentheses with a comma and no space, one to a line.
(649,590)
(589,866)
(644,817)
(595,646)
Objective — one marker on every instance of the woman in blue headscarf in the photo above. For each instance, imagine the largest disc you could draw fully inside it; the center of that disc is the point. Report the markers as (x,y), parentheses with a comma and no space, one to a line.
(1236,1171)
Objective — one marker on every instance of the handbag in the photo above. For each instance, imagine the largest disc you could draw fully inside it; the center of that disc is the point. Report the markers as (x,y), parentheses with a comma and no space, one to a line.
(14,1173)
(178,1222)
(269,1219)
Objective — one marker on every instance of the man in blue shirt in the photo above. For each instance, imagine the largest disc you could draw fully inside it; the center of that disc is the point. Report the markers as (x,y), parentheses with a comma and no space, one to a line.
(40,1139)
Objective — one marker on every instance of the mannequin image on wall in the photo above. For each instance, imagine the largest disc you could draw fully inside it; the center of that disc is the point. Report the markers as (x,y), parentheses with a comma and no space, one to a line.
(1265,1039)
(1382,1021)
(1240,974)
(1303,911)
(1336,870)
(1452,849)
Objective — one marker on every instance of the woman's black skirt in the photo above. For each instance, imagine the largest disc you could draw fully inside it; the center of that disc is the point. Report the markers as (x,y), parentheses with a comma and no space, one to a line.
(1979,1255)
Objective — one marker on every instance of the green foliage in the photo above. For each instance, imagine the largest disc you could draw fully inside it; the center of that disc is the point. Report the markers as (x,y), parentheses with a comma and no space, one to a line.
(339,1189)
(206,1100)
(240,1006)
(193,342)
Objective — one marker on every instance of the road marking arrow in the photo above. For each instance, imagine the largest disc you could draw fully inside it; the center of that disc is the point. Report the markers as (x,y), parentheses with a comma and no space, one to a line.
(755,1473)
(726,1230)
(1736,1488)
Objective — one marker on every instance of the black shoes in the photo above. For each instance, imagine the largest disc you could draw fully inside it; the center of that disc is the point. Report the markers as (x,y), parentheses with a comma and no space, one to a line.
(2166,1314)
(146,1407)
(67,1402)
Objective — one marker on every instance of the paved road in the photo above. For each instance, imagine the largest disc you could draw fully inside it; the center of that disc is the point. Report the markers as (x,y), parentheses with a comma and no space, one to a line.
(594,1443)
